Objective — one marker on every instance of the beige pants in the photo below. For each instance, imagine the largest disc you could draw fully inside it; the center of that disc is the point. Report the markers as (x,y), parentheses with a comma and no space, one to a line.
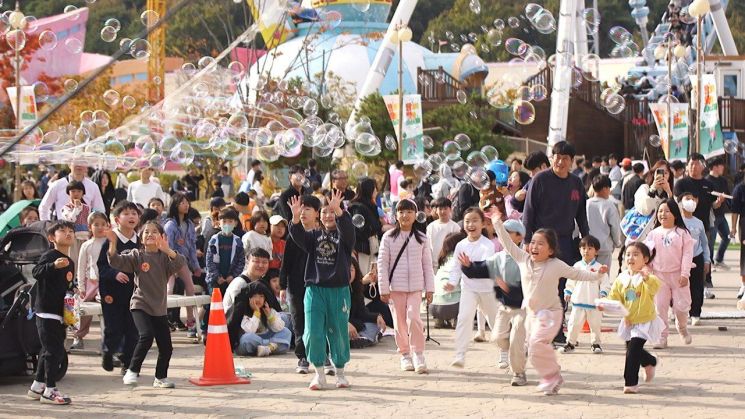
(510,336)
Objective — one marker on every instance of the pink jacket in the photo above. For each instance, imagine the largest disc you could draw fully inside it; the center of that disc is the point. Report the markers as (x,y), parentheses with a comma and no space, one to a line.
(414,270)
(674,250)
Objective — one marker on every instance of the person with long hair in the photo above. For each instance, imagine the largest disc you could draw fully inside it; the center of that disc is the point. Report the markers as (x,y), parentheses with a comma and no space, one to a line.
(182,238)
(367,235)
(364,325)
(28,190)
(102,178)
(657,187)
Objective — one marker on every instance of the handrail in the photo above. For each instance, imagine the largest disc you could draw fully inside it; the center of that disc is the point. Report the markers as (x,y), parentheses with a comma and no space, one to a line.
(437,85)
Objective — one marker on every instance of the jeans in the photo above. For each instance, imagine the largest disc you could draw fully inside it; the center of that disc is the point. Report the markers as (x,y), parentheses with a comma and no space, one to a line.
(636,356)
(150,327)
(722,227)
(52,337)
(250,342)
(370,332)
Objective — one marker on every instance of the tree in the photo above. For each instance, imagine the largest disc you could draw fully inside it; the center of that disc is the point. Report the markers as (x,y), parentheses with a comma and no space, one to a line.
(374,108)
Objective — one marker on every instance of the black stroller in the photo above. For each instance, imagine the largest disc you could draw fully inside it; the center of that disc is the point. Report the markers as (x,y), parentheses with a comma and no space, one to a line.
(19,339)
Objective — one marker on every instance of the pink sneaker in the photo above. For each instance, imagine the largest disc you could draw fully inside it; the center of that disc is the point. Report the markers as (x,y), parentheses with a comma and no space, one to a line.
(550,387)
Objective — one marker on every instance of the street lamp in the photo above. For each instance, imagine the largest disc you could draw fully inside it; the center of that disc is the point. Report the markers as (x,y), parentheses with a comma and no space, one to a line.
(400,35)
(18,23)
(669,50)
(699,9)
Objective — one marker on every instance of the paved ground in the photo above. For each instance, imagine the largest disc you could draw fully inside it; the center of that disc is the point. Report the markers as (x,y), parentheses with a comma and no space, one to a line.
(704,380)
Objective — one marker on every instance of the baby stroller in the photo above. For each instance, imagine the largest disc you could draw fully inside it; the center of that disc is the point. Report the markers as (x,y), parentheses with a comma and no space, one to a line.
(19,338)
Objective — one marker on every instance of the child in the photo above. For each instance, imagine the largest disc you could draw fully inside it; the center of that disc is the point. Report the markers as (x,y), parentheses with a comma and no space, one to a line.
(475,292)
(441,227)
(258,236)
(701,256)
(225,255)
(255,327)
(582,295)
(77,211)
(635,288)
(604,220)
(217,187)
(277,233)
(540,271)
(160,207)
(152,266)
(404,271)
(672,245)
(327,297)
(364,325)
(54,274)
(510,331)
(28,216)
(87,270)
(116,290)
(444,307)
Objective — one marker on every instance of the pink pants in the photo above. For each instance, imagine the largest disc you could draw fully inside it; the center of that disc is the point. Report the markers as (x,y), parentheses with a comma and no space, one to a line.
(185,274)
(407,321)
(670,290)
(540,348)
(91,290)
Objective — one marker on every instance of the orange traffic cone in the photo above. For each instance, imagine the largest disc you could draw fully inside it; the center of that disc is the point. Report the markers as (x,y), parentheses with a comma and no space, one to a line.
(218,358)
(586,327)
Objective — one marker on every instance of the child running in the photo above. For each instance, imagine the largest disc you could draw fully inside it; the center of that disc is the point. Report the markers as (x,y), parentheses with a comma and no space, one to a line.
(541,269)
(151,267)
(405,270)
(672,245)
(635,288)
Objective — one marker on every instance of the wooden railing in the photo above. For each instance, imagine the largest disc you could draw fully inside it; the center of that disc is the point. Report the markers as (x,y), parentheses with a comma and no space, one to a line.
(437,86)
(732,114)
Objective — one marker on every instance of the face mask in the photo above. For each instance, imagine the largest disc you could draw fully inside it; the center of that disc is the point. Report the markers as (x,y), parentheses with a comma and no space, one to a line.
(227,228)
(689,205)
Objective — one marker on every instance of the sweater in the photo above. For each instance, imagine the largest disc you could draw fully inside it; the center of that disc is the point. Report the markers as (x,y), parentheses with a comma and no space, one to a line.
(79,217)
(637,295)
(253,240)
(674,251)
(540,280)
(329,252)
(585,293)
(554,202)
(151,271)
(87,268)
(53,283)
(107,275)
(501,265)
(436,233)
(605,223)
(184,244)
(254,324)
(414,270)
(478,251)
(237,259)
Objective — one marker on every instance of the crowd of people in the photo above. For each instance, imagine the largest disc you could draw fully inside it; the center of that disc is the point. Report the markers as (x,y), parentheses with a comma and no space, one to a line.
(323,271)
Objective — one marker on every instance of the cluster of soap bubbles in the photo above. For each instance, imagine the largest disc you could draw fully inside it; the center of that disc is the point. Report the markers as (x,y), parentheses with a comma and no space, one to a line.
(625,47)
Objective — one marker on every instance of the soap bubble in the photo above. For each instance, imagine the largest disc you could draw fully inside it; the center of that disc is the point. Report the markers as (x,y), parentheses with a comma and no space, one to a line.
(451,148)
(113,147)
(73,45)
(183,154)
(310,107)
(427,142)
(614,103)
(421,217)
(168,143)
(51,138)
(362,6)
(358,220)
(515,46)
(513,22)
(41,91)
(463,141)
(359,169)
(654,140)
(539,93)
(140,49)
(47,40)
(494,37)
(730,146)
(590,65)
(157,161)
(545,319)
(462,97)
(477,159)
(523,112)
(114,23)
(128,102)
(70,85)
(620,35)
(111,97)
(108,34)
(490,152)
(390,142)
(477,177)
(149,18)
(367,144)
(71,10)
(145,145)
(475,6)
(499,24)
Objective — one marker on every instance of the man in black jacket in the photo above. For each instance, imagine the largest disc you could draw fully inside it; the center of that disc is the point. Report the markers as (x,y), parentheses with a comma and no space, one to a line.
(296,188)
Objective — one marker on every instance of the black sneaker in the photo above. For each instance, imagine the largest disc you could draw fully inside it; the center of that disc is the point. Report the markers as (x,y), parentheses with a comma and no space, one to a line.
(568,348)
(302,366)
(181,326)
(596,349)
(107,361)
(172,326)
(560,340)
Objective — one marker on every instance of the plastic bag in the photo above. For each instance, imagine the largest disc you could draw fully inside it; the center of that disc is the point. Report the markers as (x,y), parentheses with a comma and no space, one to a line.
(611,307)
(71,315)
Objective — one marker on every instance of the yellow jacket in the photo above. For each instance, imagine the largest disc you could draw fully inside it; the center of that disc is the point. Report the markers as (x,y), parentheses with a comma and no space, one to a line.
(637,295)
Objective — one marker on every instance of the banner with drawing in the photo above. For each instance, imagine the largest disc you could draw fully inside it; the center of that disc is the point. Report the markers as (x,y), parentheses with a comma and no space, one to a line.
(677,148)
(412,148)
(711,142)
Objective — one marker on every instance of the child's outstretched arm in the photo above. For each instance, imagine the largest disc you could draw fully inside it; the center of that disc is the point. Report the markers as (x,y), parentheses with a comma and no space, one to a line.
(581,274)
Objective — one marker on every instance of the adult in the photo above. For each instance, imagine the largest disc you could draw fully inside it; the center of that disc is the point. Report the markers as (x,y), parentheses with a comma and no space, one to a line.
(468,196)
(28,190)
(631,184)
(516,165)
(716,177)
(536,162)
(178,186)
(296,188)
(226,181)
(312,173)
(367,236)
(45,179)
(192,180)
(102,178)
(143,190)
(256,268)
(738,224)
(679,170)
(340,182)
(656,189)
(248,183)
(447,185)
(56,197)
(556,200)
(739,176)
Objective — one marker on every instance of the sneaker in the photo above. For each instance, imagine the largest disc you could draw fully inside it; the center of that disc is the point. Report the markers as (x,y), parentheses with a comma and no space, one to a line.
(107,361)
(172,326)
(519,380)
(53,396)
(123,371)
(341,379)
(36,390)
(686,338)
(596,349)
(302,366)
(328,368)
(551,387)
(662,344)
(695,321)
(567,349)
(708,294)
(191,333)
(721,265)
(118,361)
(420,366)
(503,360)
(649,373)
(263,350)
(130,378)
(630,389)
(560,340)
(163,383)
(741,292)
(406,363)
(440,324)
(458,362)
(180,326)
(479,337)
(77,344)
(318,382)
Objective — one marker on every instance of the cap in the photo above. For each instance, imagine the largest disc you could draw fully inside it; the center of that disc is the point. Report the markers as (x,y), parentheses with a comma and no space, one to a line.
(217,202)
(514,226)
(276,219)
(626,162)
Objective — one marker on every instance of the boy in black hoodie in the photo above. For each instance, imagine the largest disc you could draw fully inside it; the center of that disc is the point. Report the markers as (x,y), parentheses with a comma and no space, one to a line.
(54,274)
(327,299)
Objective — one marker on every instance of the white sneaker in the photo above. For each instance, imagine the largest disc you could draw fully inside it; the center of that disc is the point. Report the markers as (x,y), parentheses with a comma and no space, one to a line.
(741,292)
(130,378)
(662,344)
(458,362)
(503,360)
(406,363)
(722,265)
(709,294)
(420,365)
(318,382)
(695,321)
(77,343)
(341,379)
(163,383)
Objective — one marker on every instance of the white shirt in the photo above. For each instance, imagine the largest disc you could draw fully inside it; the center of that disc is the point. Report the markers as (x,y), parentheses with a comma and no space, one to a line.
(57,197)
(436,232)
(477,251)
(252,240)
(142,193)
(234,288)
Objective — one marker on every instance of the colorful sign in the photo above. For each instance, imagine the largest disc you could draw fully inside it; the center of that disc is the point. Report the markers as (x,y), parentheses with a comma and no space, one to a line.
(411,145)
(711,142)
(28,105)
(274,21)
(677,148)
(321,3)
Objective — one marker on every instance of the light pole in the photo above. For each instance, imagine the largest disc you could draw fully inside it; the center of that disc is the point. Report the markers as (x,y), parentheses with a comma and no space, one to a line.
(699,9)
(400,35)
(669,50)
(18,23)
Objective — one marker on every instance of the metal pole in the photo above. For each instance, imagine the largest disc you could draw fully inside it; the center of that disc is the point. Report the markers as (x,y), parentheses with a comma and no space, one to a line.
(700,76)
(669,93)
(401,113)
(19,127)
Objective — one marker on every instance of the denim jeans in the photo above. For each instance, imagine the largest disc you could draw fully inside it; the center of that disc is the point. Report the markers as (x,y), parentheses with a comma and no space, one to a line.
(722,227)
(250,342)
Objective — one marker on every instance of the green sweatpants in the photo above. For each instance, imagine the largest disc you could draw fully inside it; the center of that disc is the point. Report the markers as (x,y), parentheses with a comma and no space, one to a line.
(326,319)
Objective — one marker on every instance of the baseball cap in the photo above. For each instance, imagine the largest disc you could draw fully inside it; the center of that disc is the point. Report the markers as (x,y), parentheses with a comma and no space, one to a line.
(626,162)
(276,219)
(514,226)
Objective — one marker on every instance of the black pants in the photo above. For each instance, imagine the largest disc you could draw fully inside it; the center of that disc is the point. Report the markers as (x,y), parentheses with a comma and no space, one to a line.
(174,314)
(697,285)
(120,331)
(377,306)
(297,310)
(568,248)
(636,356)
(52,337)
(150,327)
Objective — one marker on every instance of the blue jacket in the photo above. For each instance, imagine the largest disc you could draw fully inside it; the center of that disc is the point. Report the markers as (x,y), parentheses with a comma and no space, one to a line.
(237,259)
(189,246)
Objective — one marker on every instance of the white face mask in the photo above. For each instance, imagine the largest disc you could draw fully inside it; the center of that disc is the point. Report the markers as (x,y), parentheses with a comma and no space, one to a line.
(688,205)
